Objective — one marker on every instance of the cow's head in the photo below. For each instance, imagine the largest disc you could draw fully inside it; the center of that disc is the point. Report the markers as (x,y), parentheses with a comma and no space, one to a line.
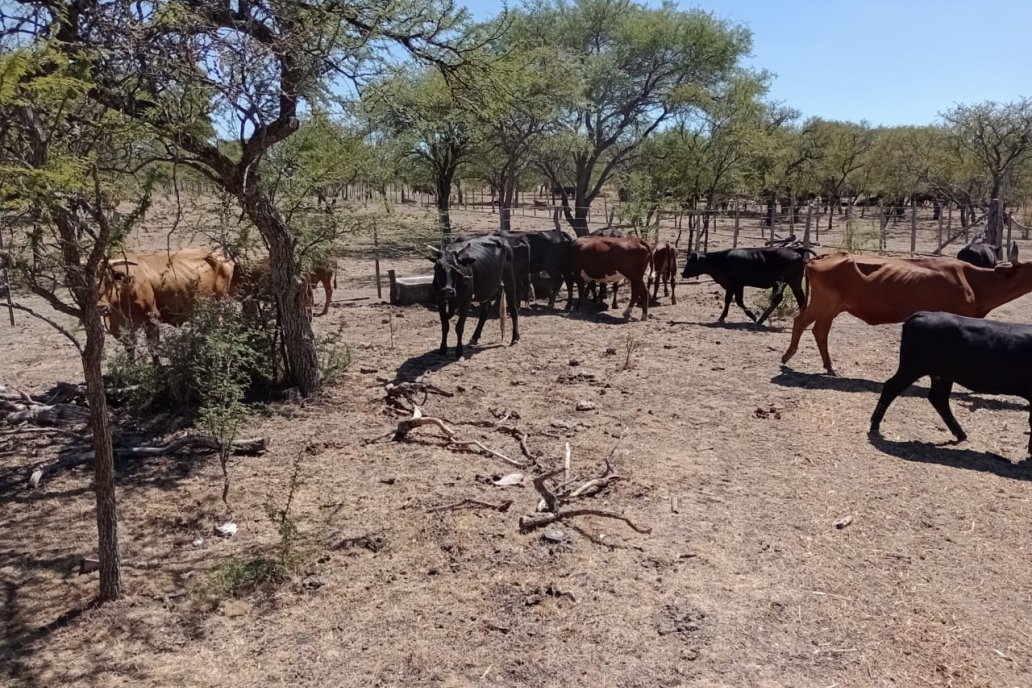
(452,273)
(115,284)
(694,264)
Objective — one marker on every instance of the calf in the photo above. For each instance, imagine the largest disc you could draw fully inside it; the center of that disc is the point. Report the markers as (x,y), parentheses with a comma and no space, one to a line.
(985,356)
(612,259)
(766,268)
(598,291)
(479,270)
(664,267)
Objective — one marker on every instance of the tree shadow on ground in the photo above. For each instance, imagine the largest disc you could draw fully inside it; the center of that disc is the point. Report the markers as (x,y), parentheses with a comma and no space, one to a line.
(946,455)
(792,378)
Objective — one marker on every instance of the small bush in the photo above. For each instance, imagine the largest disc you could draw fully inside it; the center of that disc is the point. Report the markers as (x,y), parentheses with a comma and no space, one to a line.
(334,354)
(243,575)
(786,309)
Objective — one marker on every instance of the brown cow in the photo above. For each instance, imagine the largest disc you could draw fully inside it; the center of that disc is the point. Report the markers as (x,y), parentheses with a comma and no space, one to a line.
(252,281)
(145,289)
(881,290)
(326,276)
(610,260)
(664,267)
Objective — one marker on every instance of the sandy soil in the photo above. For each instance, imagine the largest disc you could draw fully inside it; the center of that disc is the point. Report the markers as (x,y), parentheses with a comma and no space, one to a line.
(747,583)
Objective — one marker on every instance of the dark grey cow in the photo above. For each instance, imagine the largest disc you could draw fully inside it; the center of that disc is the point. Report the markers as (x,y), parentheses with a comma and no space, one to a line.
(479,270)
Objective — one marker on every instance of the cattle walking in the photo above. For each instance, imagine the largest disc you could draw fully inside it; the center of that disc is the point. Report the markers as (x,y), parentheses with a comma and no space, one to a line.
(664,267)
(611,260)
(881,290)
(479,270)
(985,356)
(765,268)
(145,289)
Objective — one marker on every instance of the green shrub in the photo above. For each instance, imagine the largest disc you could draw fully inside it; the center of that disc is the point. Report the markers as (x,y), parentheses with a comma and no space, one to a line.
(334,354)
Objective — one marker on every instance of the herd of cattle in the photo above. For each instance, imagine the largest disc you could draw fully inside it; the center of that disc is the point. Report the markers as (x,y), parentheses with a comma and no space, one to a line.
(941,300)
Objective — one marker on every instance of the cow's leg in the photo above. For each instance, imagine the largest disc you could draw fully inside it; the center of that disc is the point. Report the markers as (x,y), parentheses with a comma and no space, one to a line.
(672,278)
(639,293)
(460,325)
(616,286)
(803,320)
(939,395)
(328,288)
(555,281)
(568,279)
(775,300)
(739,299)
(485,308)
(654,283)
(1030,429)
(892,388)
(797,291)
(442,310)
(514,311)
(820,333)
(728,296)
(152,332)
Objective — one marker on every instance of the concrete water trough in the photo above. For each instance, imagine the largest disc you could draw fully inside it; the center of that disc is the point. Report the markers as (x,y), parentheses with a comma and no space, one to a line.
(415,289)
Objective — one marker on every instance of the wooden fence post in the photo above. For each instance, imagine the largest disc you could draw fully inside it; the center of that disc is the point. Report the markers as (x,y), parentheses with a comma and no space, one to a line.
(806,230)
(6,281)
(392,279)
(376,261)
(913,225)
(883,222)
(938,249)
(734,242)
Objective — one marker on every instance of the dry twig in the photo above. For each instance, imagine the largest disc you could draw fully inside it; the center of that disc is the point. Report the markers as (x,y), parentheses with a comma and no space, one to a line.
(473,503)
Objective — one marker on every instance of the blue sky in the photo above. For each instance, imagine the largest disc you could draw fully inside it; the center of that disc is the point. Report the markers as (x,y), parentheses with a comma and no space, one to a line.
(888,62)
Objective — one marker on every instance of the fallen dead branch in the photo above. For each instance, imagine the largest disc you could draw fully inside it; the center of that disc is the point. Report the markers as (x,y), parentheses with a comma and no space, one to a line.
(33,430)
(552,501)
(529,523)
(193,443)
(407,390)
(473,504)
(54,414)
(418,420)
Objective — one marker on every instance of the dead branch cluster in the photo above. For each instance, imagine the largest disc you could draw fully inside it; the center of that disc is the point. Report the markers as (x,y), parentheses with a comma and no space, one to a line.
(402,397)
(53,415)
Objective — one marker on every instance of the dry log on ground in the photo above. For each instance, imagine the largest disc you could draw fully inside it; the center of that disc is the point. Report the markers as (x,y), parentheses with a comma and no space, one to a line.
(194,443)
(55,414)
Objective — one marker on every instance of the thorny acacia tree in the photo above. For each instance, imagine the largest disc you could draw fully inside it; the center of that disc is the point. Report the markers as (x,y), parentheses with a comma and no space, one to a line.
(59,154)
(637,67)
(193,71)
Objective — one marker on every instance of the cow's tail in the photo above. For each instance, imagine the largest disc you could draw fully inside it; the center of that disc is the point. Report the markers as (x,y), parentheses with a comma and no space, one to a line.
(502,312)
(334,279)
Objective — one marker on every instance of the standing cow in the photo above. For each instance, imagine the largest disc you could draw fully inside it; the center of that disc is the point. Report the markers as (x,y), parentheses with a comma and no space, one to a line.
(664,267)
(612,260)
(145,289)
(479,270)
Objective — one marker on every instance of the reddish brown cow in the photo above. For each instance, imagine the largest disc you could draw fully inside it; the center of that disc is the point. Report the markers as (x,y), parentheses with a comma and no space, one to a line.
(145,289)
(326,276)
(664,267)
(611,260)
(881,289)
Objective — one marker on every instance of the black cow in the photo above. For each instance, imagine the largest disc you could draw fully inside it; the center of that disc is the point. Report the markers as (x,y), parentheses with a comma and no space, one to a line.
(979,254)
(985,356)
(521,252)
(479,270)
(549,252)
(737,268)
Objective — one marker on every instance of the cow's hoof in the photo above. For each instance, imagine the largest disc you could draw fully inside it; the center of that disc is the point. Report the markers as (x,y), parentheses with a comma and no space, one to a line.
(874,431)
(830,372)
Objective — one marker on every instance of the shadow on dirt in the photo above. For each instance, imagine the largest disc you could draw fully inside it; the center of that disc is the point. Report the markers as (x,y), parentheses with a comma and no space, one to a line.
(432,361)
(791,378)
(946,455)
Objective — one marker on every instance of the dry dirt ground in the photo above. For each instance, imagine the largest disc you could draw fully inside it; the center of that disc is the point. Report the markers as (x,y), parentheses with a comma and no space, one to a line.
(747,583)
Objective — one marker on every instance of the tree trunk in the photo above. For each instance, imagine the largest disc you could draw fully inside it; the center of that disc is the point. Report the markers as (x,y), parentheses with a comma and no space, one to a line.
(104,461)
(443,184)
(299,340)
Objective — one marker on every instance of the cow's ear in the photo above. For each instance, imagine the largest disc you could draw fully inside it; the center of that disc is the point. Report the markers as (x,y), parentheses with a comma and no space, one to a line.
(465,259)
